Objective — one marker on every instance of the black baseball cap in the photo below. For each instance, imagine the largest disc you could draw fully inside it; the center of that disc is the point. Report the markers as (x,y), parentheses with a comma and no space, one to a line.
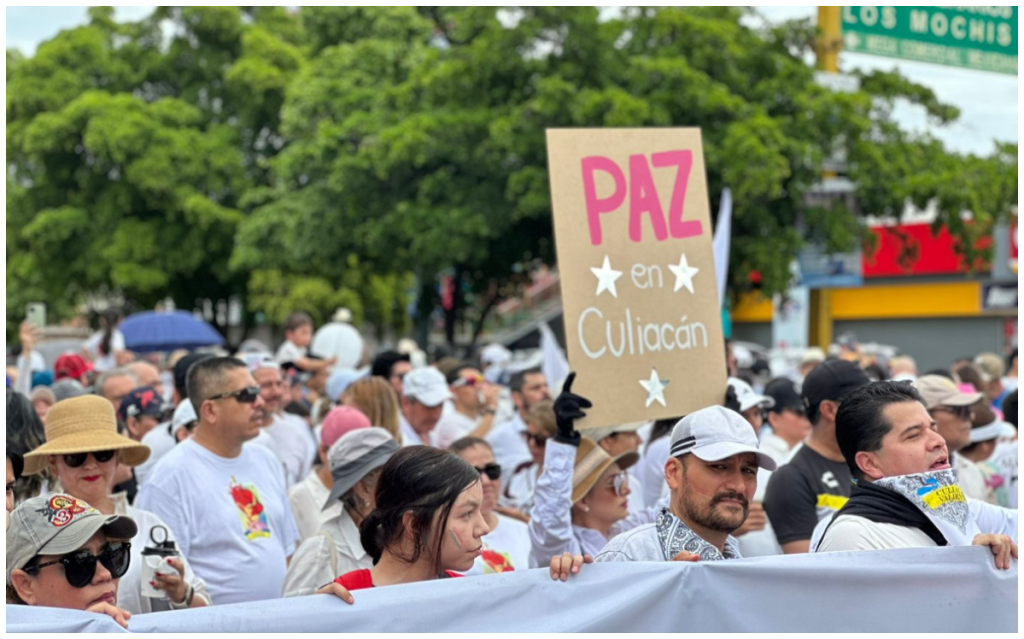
(832,380)
(181,371)
(783,391)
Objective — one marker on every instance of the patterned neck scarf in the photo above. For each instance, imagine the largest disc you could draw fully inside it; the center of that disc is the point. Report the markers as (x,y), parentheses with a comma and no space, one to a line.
(675,537)
(937,495)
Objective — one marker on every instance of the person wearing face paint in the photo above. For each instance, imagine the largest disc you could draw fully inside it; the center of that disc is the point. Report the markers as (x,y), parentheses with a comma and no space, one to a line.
(905,493)
(427,523)
(712,477)
(582,496)
(507,545)
(63,553)
(83,451)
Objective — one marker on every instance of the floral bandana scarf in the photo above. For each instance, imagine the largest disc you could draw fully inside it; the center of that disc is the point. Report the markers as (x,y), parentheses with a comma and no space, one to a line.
(675,537)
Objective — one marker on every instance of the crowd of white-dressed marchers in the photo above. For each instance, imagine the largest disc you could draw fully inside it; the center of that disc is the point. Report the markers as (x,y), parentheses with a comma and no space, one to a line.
(234,479)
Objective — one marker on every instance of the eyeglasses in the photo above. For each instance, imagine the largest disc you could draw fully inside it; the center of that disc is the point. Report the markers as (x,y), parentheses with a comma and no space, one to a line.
(963,413)
(245,395)
(536,440)
(620,481)
(74,460)
(80,566)
(492,470)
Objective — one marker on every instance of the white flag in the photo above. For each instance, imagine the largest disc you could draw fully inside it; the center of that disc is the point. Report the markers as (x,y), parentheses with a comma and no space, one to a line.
(720,244)
(554,366)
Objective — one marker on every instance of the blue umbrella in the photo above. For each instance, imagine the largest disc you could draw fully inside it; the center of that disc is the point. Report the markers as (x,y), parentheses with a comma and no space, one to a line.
(151,331)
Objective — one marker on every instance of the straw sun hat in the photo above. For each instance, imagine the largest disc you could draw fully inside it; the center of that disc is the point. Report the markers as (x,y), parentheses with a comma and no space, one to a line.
(84,425)
(591,462)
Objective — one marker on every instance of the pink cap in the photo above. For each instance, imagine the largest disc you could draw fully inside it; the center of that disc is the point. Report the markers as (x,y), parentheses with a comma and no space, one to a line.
(341,421)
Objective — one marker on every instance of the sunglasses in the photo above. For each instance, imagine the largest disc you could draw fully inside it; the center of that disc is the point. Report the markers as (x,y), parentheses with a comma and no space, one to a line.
(536,440)
(492,470)
(620,481)
(80,567)
(245,395)
(74,460)
(961,412)
(468,381)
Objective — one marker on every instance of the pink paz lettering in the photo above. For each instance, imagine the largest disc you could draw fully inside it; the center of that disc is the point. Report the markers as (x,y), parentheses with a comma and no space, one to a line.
(643,195)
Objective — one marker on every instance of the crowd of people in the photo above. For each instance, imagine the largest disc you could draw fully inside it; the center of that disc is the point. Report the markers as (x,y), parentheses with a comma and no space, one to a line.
(208,478)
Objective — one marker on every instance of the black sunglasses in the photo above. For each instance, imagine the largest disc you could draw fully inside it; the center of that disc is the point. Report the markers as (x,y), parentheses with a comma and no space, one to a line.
(963,413)
(80,566)
(74,460)
(492,470)
(245,395)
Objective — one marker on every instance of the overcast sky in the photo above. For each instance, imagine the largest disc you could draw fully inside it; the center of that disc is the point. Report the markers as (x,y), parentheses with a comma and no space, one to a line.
(988,101)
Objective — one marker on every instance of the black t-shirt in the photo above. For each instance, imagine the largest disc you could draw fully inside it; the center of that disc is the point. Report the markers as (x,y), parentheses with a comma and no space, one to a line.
(803,492)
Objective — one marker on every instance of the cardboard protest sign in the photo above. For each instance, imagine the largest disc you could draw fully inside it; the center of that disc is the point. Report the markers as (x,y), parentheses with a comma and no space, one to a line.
(633,233)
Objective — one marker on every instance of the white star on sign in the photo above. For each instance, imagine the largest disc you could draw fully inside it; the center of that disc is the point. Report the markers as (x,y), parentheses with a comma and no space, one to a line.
(606,278)
(655,389)
(684,274)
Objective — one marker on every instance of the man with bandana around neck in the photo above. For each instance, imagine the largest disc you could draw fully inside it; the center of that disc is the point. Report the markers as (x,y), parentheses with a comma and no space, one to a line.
(905,494)
(712,476)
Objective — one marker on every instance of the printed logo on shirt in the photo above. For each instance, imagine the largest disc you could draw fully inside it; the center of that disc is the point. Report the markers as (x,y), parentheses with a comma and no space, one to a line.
(251,513)
(829,480)
(833,502)
(495,562)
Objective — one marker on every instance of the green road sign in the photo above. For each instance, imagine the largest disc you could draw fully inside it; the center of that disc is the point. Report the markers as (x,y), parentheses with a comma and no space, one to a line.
(983,38)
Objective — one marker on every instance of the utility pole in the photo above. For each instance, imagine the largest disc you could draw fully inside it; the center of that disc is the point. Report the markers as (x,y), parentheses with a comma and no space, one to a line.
(830,42)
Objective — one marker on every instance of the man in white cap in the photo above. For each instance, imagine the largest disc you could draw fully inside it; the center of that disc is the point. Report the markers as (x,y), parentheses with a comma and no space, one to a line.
(288,436)
(162,439)
(712,476)
(425,391)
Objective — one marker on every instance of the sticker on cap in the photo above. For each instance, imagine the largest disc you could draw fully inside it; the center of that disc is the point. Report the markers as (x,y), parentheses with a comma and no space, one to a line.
(62,509)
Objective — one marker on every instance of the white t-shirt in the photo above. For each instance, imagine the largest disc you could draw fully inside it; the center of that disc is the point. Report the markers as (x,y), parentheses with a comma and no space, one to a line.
(410,437)
(161,441)
(129,588)
(453,427)
(307,499)
(288,351)
(104,362)
(775,447)
(231,517)
(850,532)
(293,444)
(521,485)
(506,548)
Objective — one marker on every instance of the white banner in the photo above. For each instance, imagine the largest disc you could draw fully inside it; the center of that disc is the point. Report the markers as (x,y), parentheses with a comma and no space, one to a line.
(945,590)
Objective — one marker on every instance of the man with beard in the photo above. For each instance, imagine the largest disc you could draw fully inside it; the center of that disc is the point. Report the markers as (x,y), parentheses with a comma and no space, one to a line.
(712,476)
(905,493)
(226,502)
(508,440)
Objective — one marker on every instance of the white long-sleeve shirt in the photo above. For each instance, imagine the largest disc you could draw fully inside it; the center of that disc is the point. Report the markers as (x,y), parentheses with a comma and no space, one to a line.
(551,529)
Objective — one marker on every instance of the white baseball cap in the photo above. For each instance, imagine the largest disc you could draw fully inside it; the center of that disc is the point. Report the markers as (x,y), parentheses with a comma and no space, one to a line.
(184,415)
(427,386)
(746,395)
(715,433)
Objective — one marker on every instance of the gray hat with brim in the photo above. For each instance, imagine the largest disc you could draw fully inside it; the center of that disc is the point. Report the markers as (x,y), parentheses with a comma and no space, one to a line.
(356,454)
(56,525)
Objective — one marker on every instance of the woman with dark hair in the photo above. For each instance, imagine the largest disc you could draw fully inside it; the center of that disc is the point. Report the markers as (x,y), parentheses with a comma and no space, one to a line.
(427,523)
(25,433)
(104,345)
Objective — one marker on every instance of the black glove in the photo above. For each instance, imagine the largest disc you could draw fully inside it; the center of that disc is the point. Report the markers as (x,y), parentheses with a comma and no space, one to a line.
(568,408)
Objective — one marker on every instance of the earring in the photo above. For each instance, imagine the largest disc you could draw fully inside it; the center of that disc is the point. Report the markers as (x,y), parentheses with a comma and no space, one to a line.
(585,508)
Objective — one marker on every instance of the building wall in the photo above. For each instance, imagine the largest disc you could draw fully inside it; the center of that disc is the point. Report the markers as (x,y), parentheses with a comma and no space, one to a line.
(933,342)
(757,332)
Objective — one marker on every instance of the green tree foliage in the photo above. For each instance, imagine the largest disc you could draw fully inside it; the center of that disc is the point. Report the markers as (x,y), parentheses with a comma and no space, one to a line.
(322,157)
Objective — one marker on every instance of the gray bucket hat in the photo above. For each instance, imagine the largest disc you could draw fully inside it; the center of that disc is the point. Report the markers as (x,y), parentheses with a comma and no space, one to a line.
(354,455)
(56,525)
